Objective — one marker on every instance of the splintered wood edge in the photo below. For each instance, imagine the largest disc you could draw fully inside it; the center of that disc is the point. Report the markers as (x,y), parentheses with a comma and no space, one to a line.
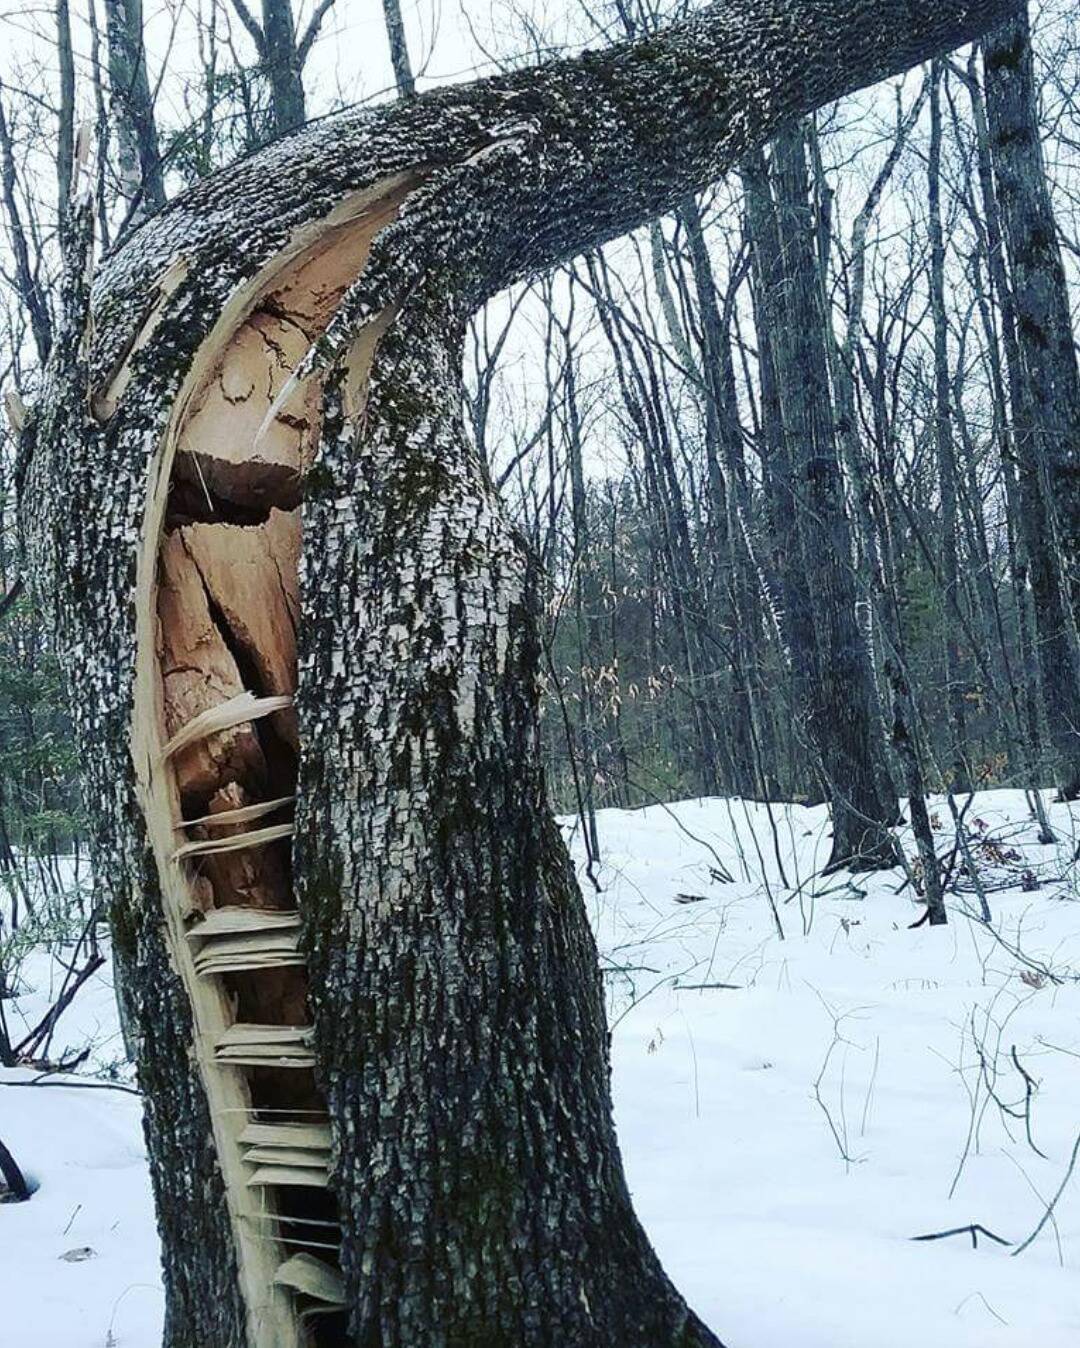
(244,815)
(236,842)
(313,1136)
(315,1279)
(273,1319)
(238,710)
(238,919)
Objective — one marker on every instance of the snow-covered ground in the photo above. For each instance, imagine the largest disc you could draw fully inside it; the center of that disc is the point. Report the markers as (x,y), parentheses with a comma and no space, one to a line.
(792,1110)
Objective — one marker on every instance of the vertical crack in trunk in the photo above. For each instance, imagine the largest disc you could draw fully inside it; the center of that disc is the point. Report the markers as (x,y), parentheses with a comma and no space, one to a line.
(216,749)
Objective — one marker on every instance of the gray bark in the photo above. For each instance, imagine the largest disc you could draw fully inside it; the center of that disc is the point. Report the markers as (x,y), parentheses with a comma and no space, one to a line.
(282,54)
(283,66)
(65,119)
(133,108)
(399,50)
(458,1026)
(833,680)
(1045,384)
(946,453)
(844,722)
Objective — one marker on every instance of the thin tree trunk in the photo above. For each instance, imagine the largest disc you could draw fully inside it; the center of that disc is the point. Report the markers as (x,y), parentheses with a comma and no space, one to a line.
(27,281)
(946,454)
(399,49)
(787,578)
(141,177)
(907,751)
(729,499)
(65,127)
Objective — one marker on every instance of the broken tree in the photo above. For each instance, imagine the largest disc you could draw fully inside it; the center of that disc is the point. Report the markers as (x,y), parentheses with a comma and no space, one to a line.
(365,1004)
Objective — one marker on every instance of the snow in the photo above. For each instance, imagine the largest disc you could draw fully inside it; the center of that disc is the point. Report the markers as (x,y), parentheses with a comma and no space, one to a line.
(784,1138)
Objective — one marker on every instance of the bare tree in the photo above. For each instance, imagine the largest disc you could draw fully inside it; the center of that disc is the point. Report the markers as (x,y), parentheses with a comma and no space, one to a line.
(946,452)
(282,54)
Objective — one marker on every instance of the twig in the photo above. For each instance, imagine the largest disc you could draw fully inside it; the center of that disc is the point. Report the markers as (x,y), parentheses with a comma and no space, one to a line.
(43,1031)
(973,1229)
(1054,1201)
(700,987)
(1030,1088)
(41,1082)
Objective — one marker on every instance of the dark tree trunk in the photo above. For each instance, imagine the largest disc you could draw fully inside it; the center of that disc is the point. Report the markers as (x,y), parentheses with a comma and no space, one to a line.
(27,282)
(817,561)
(431,1160)
(786,578)
(907,751)
(399,49)
(283,65)
(729,511)
(1045,384)
(1004,359)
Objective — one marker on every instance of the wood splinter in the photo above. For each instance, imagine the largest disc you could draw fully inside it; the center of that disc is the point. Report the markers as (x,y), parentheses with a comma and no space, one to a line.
(257,837)
(235,711)
(245,814)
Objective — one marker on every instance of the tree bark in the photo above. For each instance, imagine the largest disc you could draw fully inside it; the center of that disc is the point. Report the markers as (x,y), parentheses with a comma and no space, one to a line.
(141,177)
(399,49)
(834,680)
(283,65)
(455,1077)
(946,454)
(1045,383)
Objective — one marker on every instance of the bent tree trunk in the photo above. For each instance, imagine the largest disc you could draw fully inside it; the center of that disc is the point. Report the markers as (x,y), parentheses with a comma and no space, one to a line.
(371,1036)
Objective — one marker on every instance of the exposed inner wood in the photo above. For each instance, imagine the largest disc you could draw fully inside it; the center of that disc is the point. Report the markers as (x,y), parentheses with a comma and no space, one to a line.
(216,746)
(313,1278)
(256,837)
(244,815)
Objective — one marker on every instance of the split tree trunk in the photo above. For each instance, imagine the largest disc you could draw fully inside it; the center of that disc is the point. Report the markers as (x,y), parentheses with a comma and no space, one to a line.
(432,1161)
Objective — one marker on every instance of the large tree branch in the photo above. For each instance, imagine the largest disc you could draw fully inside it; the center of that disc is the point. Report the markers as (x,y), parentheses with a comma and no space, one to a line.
(311,32)
(250,22)
(528,169)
